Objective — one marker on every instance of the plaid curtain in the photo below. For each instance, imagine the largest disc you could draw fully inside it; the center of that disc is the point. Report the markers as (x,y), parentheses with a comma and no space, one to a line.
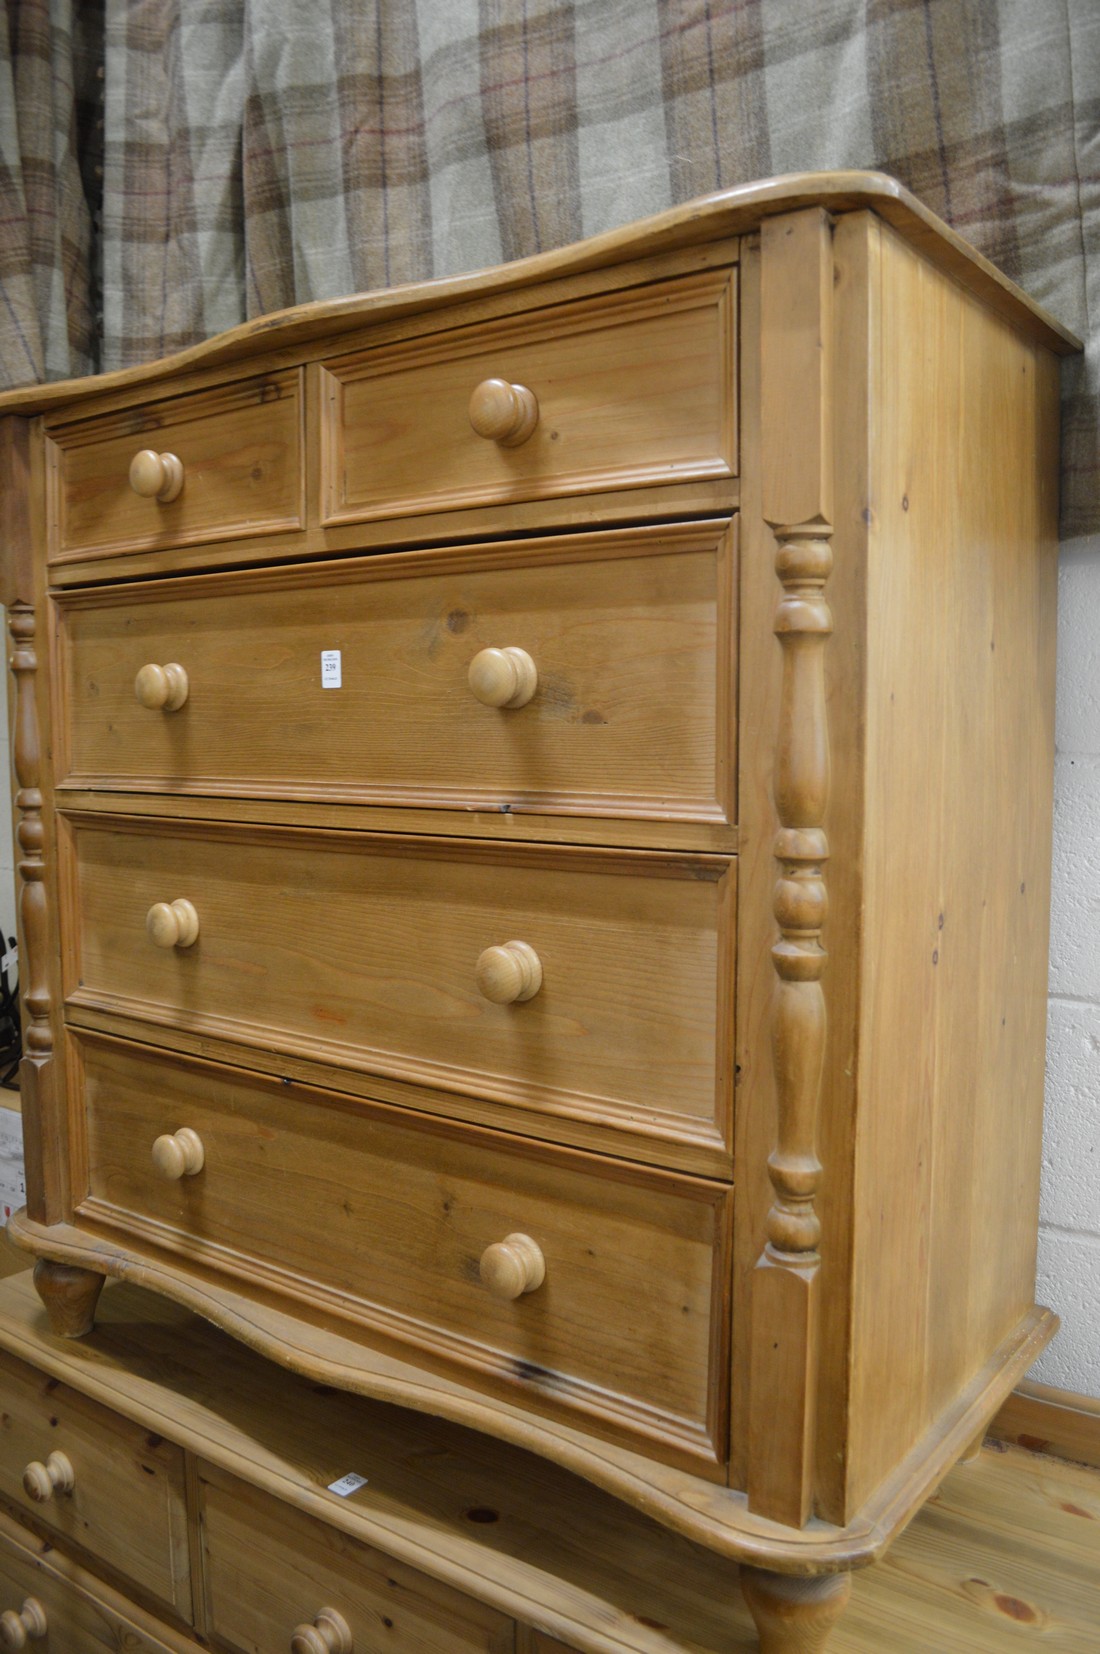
(50,161)
(260,153)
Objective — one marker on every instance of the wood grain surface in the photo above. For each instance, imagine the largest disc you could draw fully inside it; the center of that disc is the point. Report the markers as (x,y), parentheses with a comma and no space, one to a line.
(632,633)
(731,212)
(961,559)
(387,1227)
(824,756)
(80,1611)
(267,1569)
(126,1507)
(241,452)
(1002,1556)
(1046,1420)
(630,1028)
(396,436)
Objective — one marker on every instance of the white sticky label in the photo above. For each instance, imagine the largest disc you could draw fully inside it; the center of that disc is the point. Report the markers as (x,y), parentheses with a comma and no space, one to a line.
(351,1483)
(330,669)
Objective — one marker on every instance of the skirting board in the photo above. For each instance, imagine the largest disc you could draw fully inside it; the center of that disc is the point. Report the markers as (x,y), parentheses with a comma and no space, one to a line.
(1046,1420)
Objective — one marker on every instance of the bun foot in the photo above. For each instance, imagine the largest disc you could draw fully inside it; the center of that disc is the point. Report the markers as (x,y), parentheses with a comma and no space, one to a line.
(794,1616)
(70,1295)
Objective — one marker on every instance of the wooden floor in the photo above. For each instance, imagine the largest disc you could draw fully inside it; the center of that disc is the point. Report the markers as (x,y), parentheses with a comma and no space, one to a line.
(1006,1557)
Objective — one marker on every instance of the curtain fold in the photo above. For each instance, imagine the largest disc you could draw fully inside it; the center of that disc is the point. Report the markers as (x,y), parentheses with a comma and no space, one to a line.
(260,153)
(49,135)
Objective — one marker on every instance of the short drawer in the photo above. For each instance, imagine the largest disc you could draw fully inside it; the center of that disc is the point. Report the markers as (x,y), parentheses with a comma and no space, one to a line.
(586,987)
(62,1609)
(268,1570)
(239,450)
(387,1219)
(351,681)
(617,391)
(101,1483)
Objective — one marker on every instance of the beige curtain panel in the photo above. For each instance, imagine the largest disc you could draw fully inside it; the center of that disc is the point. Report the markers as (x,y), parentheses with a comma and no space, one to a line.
(171,167)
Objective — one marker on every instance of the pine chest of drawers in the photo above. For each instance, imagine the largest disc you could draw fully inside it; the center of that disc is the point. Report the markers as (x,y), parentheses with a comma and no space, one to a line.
(533,797)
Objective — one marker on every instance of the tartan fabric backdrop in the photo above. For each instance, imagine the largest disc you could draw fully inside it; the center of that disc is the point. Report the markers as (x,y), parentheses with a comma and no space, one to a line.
(171,167)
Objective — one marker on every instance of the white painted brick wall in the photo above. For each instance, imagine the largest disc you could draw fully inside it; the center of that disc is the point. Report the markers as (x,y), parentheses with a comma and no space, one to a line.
(13,1189)
(1075,896)
(1069,1268)
(1069,1242)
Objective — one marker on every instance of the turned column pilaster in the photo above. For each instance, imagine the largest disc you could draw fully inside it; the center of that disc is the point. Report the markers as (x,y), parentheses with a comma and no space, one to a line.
(21,582)
(796,503)
(30,836)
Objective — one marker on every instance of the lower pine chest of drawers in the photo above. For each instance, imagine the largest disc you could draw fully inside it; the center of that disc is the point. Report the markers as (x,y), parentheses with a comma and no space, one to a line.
(302,1519)
(534,859)
(57,1603)
(102,1487)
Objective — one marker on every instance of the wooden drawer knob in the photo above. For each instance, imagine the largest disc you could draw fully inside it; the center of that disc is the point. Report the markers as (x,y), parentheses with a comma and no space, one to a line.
(42,1481)
(513,1266)
(509,974)
(329,1634)
(162,688)
(16,1630)
(172,924)
(156,476)
(179,1154)
(503,677)
(503,413)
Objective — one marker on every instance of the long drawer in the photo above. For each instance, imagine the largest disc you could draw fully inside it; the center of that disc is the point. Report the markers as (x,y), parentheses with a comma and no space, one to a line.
(268,1570)
(607,392)
(239,453)
(351,681)
(59,1608)
(405,1227)
(585,986)
(95,1481)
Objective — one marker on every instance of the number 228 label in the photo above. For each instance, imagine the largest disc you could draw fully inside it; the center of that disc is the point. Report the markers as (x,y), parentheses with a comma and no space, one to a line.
(351,1483)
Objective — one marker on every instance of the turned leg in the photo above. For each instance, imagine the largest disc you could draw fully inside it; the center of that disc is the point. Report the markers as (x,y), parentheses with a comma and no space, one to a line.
(794,1616)
(70,1295)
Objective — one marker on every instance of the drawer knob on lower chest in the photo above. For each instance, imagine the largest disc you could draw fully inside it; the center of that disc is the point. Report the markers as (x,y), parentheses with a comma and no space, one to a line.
(503,413)
(42,1481)
(503,677)
(162,688)
(16,1630)
(156,476)
(509,974)
(179,1154)
(513,1266)
(172,924)
(329,1634)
